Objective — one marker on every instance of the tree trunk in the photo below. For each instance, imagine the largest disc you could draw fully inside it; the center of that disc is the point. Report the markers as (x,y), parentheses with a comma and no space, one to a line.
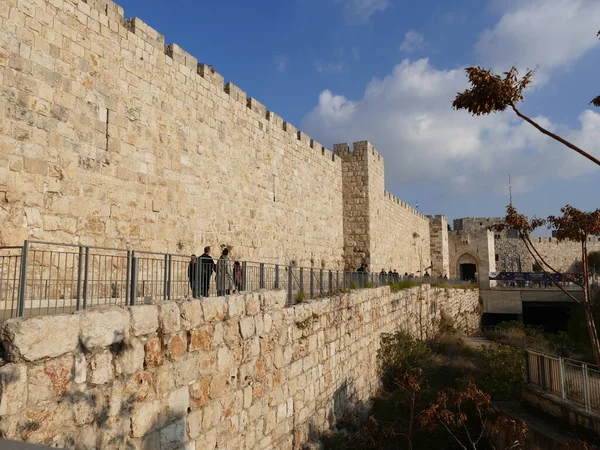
(588,304)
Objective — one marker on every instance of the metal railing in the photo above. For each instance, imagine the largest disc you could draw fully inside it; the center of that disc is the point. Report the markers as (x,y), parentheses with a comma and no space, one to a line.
(41,278)
(569,380)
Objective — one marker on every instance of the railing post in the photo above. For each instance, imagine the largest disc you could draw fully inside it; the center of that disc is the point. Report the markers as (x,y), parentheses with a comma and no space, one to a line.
(586,387)
(169,274)
(86,266)
(166,277)
(276,277)
(134,279)
(330,281)
(321,281)
(337,279)
(23,279)
(79,269)
(312,283)
(128,278)
(290,285)
(301,287)
(563,386)
(261,278)
(244,275)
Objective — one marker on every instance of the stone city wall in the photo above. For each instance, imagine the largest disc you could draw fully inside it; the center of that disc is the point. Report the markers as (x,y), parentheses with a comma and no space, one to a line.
(563,256)
(379,228)
(237,372)
(109,137)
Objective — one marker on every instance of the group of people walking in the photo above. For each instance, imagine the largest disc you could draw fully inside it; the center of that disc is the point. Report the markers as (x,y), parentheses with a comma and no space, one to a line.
(229,278)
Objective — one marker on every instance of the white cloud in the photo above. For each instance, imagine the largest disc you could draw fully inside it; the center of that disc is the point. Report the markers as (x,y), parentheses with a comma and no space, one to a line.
(361,10)
(329,67)
(280,62)
(413,42)
(408,117)
(548,33)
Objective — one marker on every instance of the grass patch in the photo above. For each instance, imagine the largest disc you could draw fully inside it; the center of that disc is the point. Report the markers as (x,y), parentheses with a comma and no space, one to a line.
(401,285)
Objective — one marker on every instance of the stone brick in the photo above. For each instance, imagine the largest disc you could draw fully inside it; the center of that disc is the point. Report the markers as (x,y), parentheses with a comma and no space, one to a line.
(176,345)
(153,353)
(28,338)
(139,388)
(173,436)
(101,367)
(194,424)
(252,304)
(104,326)
(199,392)
(191,314)
(13,388)
(80,369)
(131,358)
(218,385)
(178,402)
(214,308)
(236,305)
(208,440)
(224,359)
(144,319)
(144,418)
(164,379)
(247,327)
(50,379)
(201,338)
(169,317)
(49,423)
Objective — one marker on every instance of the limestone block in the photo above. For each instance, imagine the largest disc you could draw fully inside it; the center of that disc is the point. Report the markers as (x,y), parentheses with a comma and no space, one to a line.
(154,356)
(169,317)
(191,314)
(28,339)
(201,338)
(80,369)
(214,308)
(224,359)
(194,424)
(50,379)
(208,440)
(101,367)
(13,388)
(176,345)
(144,319)
(252,304)
(236,305)
(131,358)
(104,326)
(50,423)
(217,386)
(247,327)
(144,418)
(83,408)
(199,392)
(178,402)
(164,380)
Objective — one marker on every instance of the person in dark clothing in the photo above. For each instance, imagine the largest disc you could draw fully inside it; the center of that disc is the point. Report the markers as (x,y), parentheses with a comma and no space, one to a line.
(238,278)
(207,268)
(193,276)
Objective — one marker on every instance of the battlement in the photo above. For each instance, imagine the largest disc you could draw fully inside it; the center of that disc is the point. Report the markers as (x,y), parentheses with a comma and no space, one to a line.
(360,150)
(402,204)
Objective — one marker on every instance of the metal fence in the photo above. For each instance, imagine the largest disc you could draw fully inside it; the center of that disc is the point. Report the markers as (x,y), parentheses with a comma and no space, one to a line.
(571,381)
(41,278)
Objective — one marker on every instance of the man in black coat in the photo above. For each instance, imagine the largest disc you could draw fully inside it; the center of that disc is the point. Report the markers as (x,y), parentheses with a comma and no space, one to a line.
(207,267)
(193,276)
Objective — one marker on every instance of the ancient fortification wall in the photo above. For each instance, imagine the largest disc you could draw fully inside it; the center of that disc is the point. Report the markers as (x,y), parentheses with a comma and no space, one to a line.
(378,226)
(238,372)
(564,256)
(112,138)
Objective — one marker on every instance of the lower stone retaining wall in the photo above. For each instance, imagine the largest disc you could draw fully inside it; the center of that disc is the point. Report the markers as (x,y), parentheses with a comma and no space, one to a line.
(237,372)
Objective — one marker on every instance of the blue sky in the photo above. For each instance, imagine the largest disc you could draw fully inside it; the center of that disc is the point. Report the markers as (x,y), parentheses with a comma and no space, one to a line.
(387,71)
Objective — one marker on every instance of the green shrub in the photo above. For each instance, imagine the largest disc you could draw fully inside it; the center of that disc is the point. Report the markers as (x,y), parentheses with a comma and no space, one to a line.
(502,371)
(300,297)
(401,285)
(398,353)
